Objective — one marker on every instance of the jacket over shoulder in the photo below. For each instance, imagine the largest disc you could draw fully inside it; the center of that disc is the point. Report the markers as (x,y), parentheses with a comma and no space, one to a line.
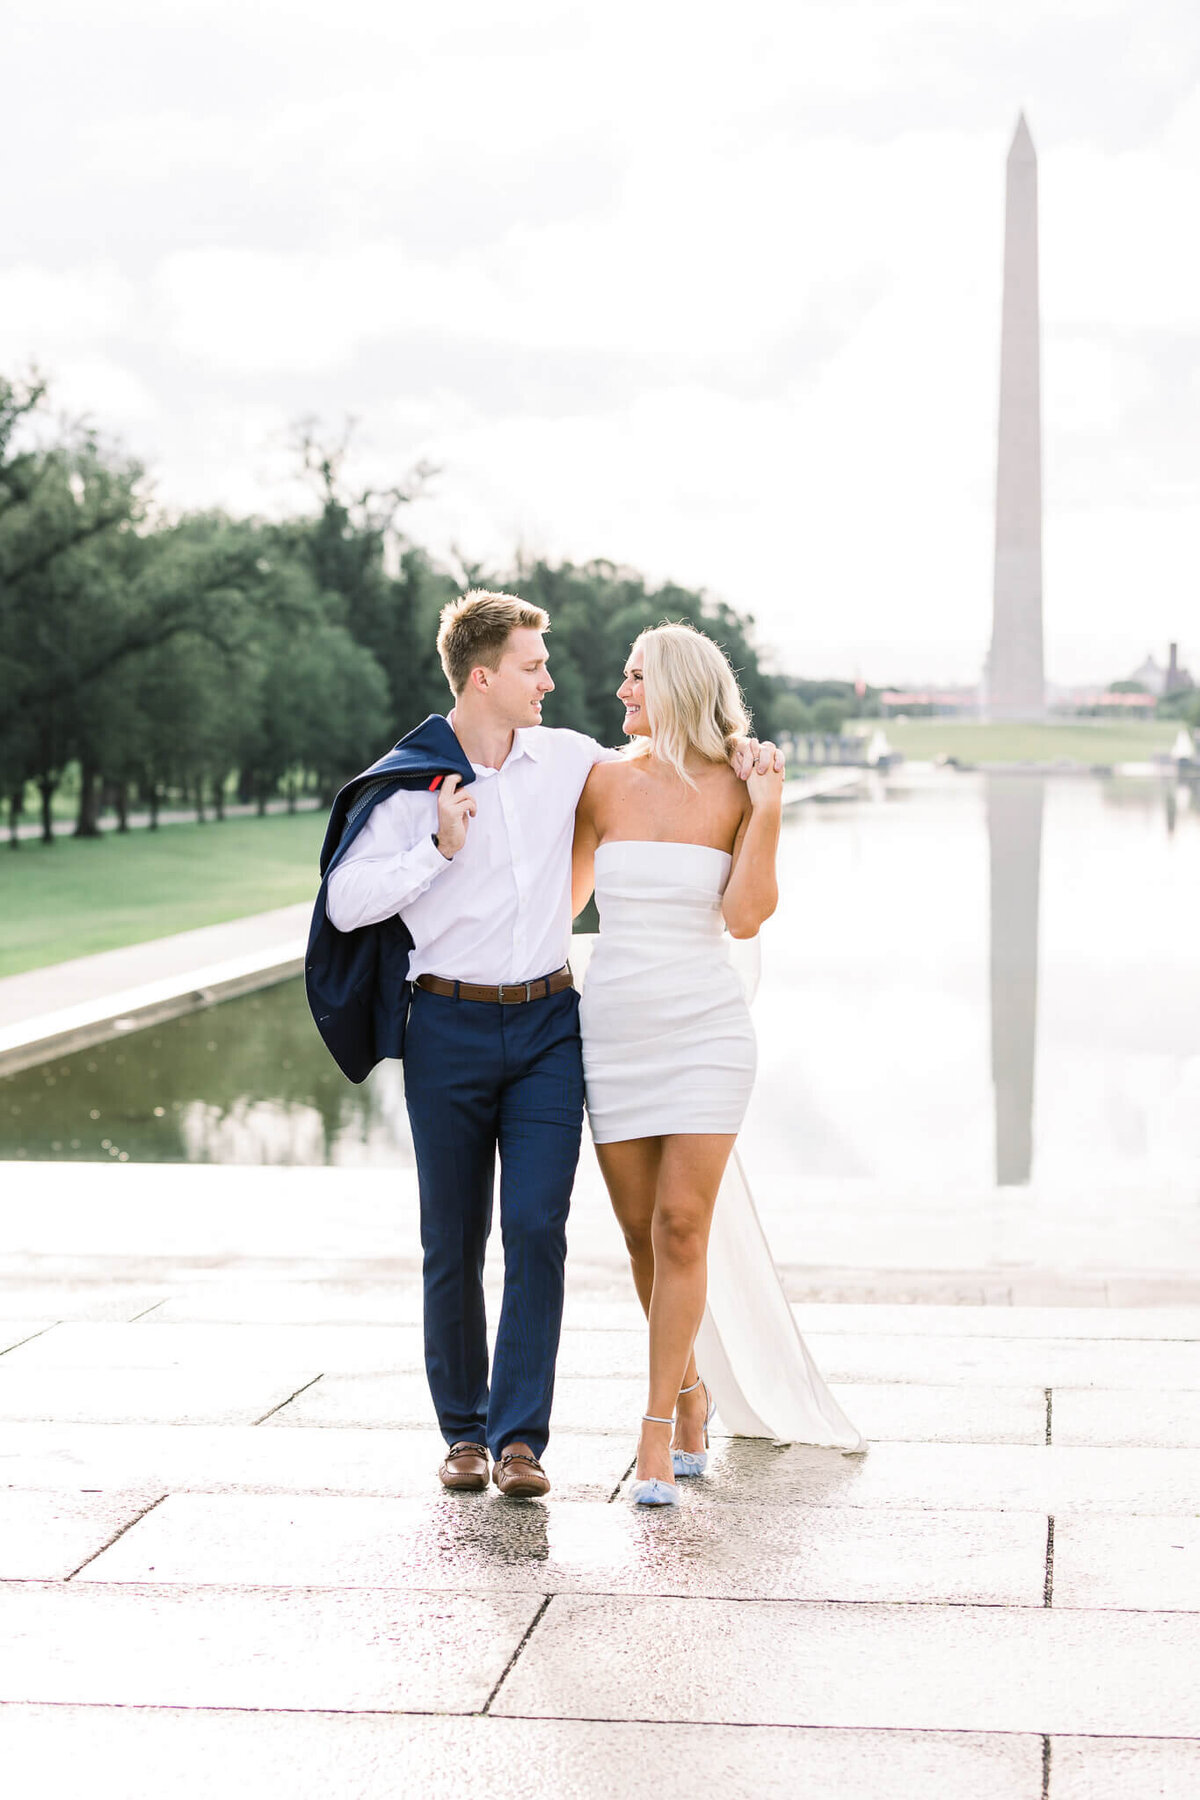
(356,981)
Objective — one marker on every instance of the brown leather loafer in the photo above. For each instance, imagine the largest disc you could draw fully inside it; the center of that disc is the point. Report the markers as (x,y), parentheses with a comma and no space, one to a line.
(519,1475)
(465,1468)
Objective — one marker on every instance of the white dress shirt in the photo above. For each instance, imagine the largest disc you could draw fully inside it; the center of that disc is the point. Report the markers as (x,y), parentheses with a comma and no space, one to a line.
(499,910)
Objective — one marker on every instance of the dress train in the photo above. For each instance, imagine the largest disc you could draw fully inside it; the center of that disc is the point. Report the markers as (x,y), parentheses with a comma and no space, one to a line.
(749,1348)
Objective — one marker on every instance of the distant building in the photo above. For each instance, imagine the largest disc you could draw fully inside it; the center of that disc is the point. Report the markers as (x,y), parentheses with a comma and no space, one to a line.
(1157,680)
(1178,679)
(1088,703)
(941,703)
(1152,676)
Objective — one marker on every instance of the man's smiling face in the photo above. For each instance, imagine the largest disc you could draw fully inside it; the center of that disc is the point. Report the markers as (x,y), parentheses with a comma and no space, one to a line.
(519,682)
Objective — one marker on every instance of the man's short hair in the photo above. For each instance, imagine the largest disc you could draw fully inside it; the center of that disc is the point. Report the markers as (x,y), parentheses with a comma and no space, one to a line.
(474,629)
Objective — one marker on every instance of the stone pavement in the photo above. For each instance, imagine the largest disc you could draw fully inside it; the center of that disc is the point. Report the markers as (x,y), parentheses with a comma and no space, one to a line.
(226,1568)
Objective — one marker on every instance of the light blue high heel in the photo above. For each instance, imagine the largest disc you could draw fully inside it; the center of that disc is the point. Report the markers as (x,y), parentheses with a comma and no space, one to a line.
(652,1491)
(694,1462)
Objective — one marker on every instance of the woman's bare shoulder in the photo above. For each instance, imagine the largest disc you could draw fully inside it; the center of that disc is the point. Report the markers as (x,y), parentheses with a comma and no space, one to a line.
(605,777)
(728,786)
(601,784)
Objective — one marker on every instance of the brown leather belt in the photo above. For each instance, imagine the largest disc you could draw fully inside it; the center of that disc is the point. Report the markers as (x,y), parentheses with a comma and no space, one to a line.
(514,993)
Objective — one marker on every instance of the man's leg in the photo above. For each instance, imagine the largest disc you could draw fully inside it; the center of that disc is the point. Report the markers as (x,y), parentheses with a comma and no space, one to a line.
(452,1073)
(541,1119)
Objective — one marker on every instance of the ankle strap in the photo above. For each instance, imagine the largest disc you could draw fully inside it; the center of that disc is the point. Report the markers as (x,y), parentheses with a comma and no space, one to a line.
(651,1420)
(691,1390)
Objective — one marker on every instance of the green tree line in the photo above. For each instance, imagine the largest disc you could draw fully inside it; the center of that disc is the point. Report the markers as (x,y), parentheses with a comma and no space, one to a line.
(183,659)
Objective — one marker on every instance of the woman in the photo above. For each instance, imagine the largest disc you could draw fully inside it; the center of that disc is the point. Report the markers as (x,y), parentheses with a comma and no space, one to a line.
(676,847)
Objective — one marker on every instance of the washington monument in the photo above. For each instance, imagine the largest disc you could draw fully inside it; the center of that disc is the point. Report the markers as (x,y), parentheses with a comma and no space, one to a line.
(1015,683)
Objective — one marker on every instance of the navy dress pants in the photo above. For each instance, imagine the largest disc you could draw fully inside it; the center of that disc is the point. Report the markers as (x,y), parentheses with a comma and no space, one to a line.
(481,1079)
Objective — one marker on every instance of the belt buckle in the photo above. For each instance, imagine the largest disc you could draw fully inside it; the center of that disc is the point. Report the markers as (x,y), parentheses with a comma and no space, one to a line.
(507,999)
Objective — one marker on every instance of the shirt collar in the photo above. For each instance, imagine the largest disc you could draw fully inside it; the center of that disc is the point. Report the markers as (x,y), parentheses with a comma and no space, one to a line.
(525,743)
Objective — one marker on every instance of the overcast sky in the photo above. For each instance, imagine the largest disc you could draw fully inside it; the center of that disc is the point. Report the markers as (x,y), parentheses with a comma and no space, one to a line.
(714,291)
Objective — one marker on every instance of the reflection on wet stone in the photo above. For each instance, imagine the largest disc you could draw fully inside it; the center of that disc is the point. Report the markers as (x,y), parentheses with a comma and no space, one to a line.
(488,1532)
(1015,804)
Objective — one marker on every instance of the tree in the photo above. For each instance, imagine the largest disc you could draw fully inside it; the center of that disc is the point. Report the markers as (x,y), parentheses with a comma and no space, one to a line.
(1183,705)
(792,715)
(829,716)
(387,592)
(63,504)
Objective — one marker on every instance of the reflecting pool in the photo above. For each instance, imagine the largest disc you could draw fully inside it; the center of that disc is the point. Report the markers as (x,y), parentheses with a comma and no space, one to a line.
(991,980)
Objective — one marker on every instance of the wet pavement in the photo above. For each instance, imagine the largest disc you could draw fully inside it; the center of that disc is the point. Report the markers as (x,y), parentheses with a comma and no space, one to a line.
(226,1565)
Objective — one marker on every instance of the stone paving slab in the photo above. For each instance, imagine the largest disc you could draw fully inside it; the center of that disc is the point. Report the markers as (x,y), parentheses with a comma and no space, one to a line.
(1134,1418)
(283,1302)
(310,1302)
(157,1459)
(1149,1564)
(133,1752)
(953,1477)
(134,1215)
(910,1477)
(1093,1768)
(1158,1323)
(149,1345)
(907,1412)
(481,1542)
(401,1401)
(47,1536)
(959,1668)
(178,1396)
(1033,1234)
(14,1332)
(883,1412)
(1043,1362)
(86,1299)
(319,1348)
(294,1648)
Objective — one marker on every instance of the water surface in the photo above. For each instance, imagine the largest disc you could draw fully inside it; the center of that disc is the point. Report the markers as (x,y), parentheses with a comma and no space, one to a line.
(982,980)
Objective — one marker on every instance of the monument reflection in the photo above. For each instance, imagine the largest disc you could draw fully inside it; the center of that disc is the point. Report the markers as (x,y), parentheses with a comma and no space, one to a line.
(1014,805)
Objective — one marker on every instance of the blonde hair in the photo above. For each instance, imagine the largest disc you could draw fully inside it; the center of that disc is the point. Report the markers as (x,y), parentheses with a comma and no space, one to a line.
(475,628)
(693,701)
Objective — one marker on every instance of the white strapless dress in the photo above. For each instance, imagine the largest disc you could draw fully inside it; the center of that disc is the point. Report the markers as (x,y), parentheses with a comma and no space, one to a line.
(667,1041)
(668,1046)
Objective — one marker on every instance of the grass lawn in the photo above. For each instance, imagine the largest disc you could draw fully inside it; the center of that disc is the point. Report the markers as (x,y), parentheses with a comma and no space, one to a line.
(77,896)
(1079,741)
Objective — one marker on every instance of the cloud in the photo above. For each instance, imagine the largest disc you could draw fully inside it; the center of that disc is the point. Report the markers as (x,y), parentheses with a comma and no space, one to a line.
(46,311)
(722,302)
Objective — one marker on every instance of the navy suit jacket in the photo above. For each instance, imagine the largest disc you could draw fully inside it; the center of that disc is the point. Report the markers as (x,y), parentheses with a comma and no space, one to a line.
(357,981)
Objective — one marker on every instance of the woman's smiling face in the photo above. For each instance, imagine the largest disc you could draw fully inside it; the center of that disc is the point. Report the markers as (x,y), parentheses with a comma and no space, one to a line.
(633,693)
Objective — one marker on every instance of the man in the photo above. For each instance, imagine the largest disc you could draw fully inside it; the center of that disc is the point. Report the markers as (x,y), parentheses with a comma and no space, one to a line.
(475,860)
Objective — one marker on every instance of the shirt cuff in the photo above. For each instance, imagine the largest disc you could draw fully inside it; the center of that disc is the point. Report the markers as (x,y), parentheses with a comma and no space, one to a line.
(426,862)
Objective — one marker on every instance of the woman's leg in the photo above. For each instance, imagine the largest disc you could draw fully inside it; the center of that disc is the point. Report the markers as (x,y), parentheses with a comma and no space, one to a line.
(630,1171)
(689,1175)
(663,1191)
